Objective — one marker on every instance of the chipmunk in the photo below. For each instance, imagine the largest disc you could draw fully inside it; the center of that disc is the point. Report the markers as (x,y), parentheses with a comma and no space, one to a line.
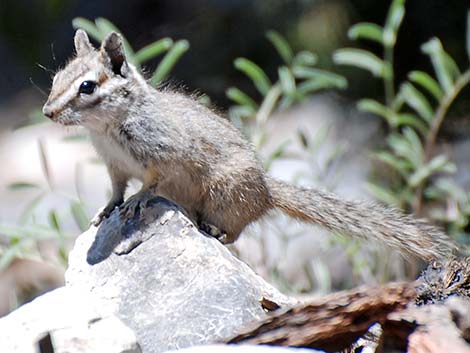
(187,153)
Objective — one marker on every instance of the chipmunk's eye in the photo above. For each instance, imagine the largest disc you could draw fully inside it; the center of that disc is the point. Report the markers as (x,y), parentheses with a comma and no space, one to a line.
(87,87)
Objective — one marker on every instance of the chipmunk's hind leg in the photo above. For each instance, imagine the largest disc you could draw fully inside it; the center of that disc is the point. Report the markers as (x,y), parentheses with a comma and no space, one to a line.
(214,232)
(233,203)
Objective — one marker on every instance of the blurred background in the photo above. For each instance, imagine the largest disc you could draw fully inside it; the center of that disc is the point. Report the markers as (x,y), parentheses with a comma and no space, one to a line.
(39,32)
(298,95)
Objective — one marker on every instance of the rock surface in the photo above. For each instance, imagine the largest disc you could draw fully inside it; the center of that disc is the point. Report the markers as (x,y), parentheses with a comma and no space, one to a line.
(173,286)
(75,322)
(244,349)
(147,284)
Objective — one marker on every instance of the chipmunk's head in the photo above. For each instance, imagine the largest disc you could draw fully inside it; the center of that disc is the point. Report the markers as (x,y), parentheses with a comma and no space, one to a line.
(92,86)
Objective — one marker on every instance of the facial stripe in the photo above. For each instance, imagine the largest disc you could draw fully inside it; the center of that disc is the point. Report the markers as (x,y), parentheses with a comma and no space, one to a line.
(102,78)
(66,86)
(59,102)
(80,71)
(60,99)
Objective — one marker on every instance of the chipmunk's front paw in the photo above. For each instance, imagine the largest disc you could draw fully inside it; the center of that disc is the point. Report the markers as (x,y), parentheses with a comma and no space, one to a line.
(135,203)
(213,231)
(96,221)
(105,212)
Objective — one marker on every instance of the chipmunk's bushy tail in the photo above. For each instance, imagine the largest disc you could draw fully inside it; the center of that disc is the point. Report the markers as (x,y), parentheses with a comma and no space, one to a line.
(369,221)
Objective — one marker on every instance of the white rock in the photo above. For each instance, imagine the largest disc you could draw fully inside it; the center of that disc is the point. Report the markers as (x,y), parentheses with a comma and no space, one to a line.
(73,319)
(244,349)
(153,283)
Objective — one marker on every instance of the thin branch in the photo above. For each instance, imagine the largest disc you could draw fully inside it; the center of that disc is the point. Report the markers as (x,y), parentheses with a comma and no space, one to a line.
(441,112)
(389,82)
(436,124)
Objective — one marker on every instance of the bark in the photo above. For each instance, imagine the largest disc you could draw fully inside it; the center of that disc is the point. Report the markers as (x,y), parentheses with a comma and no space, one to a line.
(333,322)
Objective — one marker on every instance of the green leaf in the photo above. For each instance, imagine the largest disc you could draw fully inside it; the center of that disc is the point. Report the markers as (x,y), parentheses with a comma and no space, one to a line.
(287,81)
(449,168)
(374,107)
(397,102)
(30,208)
(34,118)
(14,251)
(326,76)
(31,231)
(79,216)
(313,85)
(434,49)
(439,163)
(152,50)
(418,177)
(395,16)
(204,99)
(382,194)
(22,185)
(54,221)
(451,65)
(255,73)
(240,112)
(278,153)
(366,30)
(361,59)
(407,196)
(106,27)
(407,146)
(268,105)
(241,97)
(281,45)
(399,145)
(416,100)
(305,58)
(89,27)
(433,193)
(169,61)
(287,101)
(446,187)
(79,137)
(427,82)
(415,144)
(406,119)
(402,166)
(45,163)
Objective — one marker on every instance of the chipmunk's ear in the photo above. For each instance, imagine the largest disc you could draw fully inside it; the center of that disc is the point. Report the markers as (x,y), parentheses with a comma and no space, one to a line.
(82,43)
(113,53)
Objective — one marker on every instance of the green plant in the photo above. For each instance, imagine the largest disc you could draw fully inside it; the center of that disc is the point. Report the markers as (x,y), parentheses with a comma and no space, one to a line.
(297,79)
(414,120)
(23,239)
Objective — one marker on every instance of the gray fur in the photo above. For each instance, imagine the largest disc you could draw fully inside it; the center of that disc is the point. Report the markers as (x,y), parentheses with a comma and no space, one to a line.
(187,153)
(82,43)
(363,220)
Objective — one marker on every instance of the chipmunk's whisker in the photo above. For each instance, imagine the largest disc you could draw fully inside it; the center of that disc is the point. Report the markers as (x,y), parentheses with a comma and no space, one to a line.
(37,87)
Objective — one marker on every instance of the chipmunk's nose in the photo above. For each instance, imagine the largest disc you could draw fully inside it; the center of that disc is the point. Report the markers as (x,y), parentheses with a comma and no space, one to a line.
(47,111)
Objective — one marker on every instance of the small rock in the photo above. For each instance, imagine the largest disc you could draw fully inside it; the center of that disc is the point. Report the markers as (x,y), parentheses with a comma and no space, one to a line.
(244,349)
(74,321)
